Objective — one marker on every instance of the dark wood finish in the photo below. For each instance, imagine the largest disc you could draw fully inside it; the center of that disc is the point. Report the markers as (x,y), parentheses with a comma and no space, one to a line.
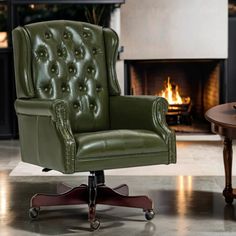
(223,121)
(101,194)
(121,189)
(75,196)
(105,196)
(223,116)
(108,196)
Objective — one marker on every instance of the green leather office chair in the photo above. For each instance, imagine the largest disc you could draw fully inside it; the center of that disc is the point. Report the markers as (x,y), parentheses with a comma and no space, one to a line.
(72,117)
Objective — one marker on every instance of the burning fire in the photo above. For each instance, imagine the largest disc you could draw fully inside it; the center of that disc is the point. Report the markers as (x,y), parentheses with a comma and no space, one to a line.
(171,94)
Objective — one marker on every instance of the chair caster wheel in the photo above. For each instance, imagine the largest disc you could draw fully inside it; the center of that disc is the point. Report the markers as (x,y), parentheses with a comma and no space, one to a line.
(149,214)
(95,224)
(33,212)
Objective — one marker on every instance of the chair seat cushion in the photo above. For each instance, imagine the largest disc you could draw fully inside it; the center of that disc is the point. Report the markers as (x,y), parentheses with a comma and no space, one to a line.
(118,143)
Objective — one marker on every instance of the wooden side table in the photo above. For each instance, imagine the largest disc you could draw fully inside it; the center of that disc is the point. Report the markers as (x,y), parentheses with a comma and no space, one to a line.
(223,122)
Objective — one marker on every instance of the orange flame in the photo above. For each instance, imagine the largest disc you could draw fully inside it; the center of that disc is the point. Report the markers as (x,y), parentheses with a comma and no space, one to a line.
(171,94)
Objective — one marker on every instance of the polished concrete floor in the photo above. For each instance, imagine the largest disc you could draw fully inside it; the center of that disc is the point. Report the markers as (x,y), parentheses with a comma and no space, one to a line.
(185,205)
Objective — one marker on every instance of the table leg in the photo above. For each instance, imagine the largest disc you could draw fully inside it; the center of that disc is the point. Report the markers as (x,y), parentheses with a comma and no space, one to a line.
(228,157)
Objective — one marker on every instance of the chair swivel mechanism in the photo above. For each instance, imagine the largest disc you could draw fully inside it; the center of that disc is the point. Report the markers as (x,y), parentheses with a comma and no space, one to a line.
(72,117)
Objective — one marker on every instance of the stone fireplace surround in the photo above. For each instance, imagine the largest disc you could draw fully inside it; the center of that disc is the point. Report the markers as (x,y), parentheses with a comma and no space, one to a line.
(201,80)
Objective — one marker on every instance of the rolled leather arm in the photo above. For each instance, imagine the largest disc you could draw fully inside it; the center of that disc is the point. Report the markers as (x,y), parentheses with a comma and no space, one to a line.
(37,107)
(138,112)
(48,134)
(143,112)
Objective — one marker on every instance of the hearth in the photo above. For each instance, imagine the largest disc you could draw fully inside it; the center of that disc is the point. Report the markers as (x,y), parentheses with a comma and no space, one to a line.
(194,87)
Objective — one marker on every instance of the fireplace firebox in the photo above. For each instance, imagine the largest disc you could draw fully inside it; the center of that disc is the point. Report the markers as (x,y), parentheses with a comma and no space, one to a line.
(198,83)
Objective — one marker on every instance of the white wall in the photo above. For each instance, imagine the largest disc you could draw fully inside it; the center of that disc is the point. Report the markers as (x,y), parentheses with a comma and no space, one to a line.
(168,29)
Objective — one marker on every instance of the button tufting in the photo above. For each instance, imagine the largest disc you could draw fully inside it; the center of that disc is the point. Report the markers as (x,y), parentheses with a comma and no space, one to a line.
(80,88)
(63,89)
(48,35)
(54,69)
(42,52)
(61,52)
(72,69)
(94,51)
(76,105)
(85,34)
(98,89)
(67,35)
(90,70)
(79,52)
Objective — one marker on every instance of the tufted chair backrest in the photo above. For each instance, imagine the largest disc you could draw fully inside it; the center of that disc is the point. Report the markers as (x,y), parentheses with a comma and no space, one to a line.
(68,60)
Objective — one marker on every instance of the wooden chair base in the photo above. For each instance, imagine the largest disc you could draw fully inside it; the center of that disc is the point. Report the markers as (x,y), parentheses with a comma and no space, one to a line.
(91,194)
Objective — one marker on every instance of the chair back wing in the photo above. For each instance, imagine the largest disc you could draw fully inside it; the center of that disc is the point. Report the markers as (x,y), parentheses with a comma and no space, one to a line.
(68,60)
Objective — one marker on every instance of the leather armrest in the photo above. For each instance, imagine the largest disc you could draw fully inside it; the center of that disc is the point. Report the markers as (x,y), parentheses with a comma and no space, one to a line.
(46,134)
(142,112)
(38,107)
(137,112)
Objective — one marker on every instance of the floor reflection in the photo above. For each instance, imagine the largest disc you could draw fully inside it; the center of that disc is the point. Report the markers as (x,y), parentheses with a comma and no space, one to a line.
(185,205)
(184,193)
(3,195)
(184,187)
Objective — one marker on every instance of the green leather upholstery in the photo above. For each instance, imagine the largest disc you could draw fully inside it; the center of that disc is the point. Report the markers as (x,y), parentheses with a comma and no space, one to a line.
(70,112)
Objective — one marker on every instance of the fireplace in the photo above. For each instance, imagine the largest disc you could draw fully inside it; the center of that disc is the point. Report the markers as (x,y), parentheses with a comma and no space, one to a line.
(198,83)
(177,41)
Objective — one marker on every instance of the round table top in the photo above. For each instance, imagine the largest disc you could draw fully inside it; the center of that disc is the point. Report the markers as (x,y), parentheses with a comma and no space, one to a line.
(223,115)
